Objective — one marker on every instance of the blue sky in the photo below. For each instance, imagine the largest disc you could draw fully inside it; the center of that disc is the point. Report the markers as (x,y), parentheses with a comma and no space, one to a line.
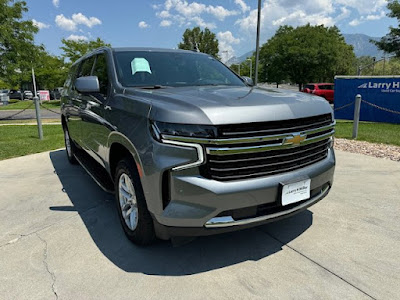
(161,23)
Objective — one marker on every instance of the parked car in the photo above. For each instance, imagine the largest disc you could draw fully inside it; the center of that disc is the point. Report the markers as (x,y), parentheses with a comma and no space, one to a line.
(28,95)
(4,93)
(4,97)
(55,94)
(190,148)
(325,90)
(15,94)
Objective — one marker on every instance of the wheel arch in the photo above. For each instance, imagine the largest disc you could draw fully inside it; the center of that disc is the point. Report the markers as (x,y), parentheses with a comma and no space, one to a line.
(120,147)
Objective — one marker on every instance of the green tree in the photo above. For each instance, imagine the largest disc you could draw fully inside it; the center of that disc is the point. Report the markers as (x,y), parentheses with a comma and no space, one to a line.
(245,67)
(366,63)
(391,42)
(50,71)
(16,42)
(73,50)
(3,85)
(204,40)
(304,54)
(388,66)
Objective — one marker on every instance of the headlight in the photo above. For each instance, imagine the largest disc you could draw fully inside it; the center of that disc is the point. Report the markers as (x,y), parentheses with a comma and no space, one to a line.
(184,135)
(161,129)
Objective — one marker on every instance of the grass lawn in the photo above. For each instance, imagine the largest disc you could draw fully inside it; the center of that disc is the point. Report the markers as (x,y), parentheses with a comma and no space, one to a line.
(29,121)
(371,132)
(22,140)
(52,104)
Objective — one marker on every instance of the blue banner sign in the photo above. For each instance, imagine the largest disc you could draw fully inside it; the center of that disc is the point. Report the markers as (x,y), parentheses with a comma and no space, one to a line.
(380,95)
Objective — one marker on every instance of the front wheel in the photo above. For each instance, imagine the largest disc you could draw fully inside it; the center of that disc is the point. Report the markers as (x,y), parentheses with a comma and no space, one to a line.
(131,204)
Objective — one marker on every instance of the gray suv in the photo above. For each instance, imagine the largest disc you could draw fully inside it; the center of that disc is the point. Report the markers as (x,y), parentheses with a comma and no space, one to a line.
(190,148)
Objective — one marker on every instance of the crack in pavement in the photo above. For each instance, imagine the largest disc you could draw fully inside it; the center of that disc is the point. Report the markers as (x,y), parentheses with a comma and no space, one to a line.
(318,264)
(46,265)
(20,236)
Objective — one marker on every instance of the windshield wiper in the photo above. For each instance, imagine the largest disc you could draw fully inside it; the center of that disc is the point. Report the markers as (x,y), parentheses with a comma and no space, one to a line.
(152,87)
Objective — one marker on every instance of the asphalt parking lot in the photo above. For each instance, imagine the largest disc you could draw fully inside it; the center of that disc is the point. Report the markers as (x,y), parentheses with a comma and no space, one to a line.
(61,238)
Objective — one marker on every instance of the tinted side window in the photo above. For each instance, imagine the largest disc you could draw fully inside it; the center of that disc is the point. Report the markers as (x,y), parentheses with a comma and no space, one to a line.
(326,87)
(70,78)
(100,70)
(86,67)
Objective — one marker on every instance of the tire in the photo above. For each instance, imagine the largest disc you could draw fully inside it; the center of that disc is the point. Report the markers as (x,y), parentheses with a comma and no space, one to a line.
(138,224)
(69,147)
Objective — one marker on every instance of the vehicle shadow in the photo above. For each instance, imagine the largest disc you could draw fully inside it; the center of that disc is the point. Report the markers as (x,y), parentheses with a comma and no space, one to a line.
(98,212)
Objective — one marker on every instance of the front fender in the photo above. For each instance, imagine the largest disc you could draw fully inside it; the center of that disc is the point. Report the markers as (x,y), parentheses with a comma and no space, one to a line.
(119,138)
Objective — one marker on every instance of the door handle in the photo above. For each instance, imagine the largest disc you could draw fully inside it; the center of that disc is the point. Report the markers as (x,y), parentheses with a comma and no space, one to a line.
(92,104)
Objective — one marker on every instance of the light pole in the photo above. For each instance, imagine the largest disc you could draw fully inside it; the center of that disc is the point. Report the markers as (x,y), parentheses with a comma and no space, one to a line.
(251,65)
(360,68)
(37,107)
(257,42)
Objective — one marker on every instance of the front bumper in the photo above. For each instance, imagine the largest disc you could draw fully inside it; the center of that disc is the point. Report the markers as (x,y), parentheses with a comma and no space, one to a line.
(200,206)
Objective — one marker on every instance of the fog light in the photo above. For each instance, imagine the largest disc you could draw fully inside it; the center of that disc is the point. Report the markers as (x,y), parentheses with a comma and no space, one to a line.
(331,142)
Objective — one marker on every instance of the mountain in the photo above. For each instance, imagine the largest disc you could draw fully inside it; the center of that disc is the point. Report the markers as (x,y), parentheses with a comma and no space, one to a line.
(235,60)
(362,45)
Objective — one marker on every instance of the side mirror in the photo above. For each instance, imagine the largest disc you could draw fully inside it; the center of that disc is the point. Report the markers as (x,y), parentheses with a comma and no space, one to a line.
(248,80)
(307,90)
(87,84)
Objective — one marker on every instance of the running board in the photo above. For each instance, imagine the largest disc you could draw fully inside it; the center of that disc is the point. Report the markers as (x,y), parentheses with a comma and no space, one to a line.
(97,172)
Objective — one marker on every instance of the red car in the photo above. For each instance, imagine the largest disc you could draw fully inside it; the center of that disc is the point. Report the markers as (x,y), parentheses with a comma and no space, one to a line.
(325,90)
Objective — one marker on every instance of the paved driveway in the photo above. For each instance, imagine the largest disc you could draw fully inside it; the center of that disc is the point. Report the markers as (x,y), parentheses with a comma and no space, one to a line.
(60,238)
(29,114)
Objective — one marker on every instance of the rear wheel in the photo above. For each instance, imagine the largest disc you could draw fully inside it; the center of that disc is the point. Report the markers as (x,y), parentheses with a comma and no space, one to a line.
(69,147)
(131,204)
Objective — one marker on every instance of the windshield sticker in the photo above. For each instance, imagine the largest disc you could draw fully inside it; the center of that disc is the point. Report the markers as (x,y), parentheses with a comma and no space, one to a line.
(140,64)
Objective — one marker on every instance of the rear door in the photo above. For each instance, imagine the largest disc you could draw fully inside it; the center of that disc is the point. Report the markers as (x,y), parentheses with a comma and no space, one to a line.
(327,91)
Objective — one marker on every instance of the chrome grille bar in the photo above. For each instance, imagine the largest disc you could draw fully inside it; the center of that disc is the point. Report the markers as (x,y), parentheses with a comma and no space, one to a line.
(246,140)
(261,148)
(268,165)
(297,151)
(258,174)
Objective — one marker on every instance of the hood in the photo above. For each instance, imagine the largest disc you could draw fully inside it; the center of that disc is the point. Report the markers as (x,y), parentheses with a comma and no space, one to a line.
(229,105)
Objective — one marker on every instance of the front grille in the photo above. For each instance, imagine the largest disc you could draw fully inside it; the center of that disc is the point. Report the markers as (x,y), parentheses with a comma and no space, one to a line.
(272,162)
(267,153)
(274,127)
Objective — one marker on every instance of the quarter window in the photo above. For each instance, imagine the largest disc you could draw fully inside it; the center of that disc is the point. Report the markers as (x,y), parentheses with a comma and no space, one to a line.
(100,70)
(86,67)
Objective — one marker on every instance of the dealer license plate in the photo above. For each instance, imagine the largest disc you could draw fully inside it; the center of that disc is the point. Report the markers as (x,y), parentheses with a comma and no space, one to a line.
(295,192)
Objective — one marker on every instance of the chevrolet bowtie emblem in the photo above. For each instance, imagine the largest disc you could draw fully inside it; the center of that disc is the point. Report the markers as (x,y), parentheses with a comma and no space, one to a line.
(295,139)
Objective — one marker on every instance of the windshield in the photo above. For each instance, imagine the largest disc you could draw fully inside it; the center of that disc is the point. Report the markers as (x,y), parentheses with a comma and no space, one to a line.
(146,69)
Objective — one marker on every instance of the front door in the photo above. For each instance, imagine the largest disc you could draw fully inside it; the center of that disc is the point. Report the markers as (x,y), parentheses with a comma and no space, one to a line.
(94,127)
